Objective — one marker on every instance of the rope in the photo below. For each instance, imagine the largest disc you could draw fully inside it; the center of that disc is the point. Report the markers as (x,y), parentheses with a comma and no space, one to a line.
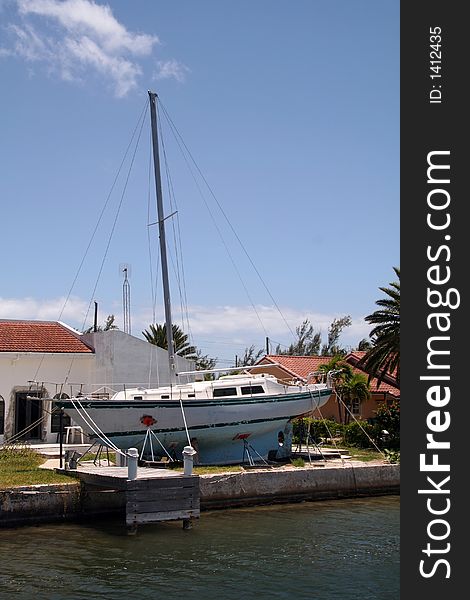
(17,436)
(359,423)
(94,427)
(184,420)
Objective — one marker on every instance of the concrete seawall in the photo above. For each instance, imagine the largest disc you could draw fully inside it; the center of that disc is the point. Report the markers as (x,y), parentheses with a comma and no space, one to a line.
(48,503)
(296,484)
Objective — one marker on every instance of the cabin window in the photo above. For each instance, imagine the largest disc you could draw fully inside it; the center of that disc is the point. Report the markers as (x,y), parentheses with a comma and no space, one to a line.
(55,416)
(229,391)
(165,397)
(191,395)
(2,415)
(252,389)
(138,398)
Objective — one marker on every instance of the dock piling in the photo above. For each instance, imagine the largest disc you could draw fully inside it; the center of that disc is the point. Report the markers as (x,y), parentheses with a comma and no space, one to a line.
(132,459)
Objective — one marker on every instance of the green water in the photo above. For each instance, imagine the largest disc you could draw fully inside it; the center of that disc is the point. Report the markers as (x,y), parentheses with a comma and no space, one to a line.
(342,549)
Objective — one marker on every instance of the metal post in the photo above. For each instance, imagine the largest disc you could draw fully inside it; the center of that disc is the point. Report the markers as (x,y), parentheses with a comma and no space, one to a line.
(132,458)
(161,230)
(95,321)
(61,435)
(188,458)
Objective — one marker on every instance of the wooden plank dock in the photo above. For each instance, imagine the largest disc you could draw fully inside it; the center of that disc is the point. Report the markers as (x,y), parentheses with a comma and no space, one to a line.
(154,495)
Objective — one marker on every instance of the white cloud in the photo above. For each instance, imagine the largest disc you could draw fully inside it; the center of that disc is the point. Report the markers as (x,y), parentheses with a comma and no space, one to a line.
(73,38)
(242,326)
(217,330)
(171,69)
(85,17)
(46,310)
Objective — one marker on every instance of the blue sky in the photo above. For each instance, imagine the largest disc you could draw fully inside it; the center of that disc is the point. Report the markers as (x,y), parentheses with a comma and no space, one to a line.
(291,112)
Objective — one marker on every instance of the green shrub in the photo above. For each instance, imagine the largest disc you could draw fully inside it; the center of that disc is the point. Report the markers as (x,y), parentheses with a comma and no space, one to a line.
(359,434)
(392,456)
(388,419)
(318,428)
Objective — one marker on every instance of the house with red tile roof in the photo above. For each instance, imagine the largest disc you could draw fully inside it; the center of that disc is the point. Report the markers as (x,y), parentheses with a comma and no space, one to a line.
(303,368)
(43,361)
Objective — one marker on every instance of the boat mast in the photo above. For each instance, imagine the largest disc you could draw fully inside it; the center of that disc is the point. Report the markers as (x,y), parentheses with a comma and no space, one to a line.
(161,229)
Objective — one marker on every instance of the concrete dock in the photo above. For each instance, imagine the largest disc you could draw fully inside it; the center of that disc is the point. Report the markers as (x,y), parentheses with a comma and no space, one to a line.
(334,479)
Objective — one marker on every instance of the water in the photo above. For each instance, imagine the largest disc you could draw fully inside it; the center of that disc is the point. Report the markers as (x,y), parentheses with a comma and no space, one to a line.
(341,550)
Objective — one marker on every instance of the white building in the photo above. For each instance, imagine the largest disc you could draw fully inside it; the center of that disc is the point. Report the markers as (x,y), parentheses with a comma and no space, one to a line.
(50,360)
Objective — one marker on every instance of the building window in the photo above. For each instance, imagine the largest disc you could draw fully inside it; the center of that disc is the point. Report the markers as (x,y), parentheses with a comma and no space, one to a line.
(356,406)
(55,416)
(2,415)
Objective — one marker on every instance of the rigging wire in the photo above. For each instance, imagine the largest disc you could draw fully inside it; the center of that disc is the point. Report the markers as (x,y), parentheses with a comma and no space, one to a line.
(110,237)
(172,128)
(95,230)
(178,135)
(174,210)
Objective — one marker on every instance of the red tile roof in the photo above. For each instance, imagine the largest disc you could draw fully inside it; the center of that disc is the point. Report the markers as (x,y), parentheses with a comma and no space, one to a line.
(40,336)
(301,366)
(355,358)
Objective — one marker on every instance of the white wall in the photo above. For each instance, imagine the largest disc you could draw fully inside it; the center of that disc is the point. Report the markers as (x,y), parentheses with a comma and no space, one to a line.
(18,369)
(124,359)
(120,359)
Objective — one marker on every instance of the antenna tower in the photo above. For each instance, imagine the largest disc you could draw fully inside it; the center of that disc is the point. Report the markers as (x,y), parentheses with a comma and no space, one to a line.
(126,298)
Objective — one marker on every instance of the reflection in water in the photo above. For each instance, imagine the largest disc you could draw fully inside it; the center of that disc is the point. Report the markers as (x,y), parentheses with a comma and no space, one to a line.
(342,549)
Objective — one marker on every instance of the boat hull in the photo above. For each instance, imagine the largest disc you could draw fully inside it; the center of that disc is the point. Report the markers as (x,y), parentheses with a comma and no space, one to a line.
(223,431)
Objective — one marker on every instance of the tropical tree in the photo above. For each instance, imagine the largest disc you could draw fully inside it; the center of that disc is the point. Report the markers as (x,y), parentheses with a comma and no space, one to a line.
(156,334)
(334,331)
(344,371)
(250,356)
(308,341)
(384,356)
(364,345)
(205,363)
(354,388)
(108,324)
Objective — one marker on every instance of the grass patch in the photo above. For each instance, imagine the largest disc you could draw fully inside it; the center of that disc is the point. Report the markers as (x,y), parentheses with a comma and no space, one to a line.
(91,456)
(365,455)
(362,454)
(19,466)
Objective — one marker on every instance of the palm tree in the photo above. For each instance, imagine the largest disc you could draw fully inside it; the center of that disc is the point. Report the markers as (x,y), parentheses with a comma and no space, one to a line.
(364,345)
(353,388)
(384,356)
(337,363)
(156,334)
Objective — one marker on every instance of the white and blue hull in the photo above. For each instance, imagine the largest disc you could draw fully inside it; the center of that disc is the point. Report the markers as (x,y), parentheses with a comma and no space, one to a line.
(222,430)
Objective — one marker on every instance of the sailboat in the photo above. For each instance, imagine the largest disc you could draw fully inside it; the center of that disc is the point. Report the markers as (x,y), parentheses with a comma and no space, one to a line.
(229,420)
